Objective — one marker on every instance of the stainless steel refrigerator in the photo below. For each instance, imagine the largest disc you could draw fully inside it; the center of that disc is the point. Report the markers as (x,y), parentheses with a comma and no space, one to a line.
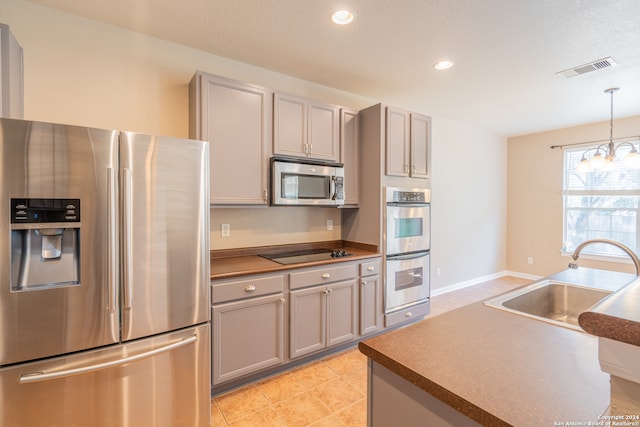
(104,278)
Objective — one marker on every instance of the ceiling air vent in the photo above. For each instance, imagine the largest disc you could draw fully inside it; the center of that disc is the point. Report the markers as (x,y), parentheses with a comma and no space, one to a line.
(587,68)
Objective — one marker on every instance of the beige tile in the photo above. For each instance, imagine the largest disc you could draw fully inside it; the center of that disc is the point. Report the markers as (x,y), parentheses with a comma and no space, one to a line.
(266,417)
(315,374)
(337,394)
(354,415)
(358,379)
(347,362)
(240,403)
(217,419)
(330,421)
(301,410)
(282,387)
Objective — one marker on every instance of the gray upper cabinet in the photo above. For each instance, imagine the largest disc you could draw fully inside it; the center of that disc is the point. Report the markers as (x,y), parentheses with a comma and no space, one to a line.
(420,146)
(397,142)
(11,75)
(235,118)
(349,146)
(305,128)
(408,143)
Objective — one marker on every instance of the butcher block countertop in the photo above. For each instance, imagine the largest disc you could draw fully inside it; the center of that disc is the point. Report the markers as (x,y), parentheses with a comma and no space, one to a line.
(500,368)
(246,261)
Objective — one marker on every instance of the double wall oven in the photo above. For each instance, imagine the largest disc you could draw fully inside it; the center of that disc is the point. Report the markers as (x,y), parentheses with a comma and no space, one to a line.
(407,244)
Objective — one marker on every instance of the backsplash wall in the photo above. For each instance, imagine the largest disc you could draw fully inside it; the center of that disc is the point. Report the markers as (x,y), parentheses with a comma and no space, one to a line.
(273,226)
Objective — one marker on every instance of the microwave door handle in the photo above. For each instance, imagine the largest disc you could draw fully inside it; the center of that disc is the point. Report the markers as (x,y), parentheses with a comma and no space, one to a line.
(333,188)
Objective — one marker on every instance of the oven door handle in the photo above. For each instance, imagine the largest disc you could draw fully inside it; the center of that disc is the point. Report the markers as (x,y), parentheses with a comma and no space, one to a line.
(408,205)
(407,257)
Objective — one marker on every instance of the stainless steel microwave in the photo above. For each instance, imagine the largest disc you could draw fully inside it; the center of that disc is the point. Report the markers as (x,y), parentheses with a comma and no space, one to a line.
(306,183)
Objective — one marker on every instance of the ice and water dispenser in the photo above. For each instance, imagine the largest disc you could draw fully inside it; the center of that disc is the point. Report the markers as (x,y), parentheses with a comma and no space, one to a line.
(45,243)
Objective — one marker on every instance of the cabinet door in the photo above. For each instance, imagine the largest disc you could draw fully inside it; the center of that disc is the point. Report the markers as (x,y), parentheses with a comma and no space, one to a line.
(290,125)
(371,307)
(420,145)
(236,120)
(248,336)
(308,320)
(397,142)
(323,137)
(349,155)
(342,312)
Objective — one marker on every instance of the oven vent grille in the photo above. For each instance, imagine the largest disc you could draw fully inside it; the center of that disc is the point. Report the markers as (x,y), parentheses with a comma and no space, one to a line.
(587,68)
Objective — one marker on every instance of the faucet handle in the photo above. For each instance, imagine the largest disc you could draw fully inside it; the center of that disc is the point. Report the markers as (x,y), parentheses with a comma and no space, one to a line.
(573,265)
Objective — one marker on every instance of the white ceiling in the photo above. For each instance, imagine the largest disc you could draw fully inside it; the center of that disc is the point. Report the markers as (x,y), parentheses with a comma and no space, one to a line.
(507,52)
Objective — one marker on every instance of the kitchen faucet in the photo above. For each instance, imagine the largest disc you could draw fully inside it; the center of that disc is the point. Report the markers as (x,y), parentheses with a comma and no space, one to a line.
(629,252)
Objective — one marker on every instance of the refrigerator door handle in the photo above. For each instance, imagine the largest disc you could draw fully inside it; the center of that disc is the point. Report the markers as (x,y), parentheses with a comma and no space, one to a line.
(112,233)
(127,250)
(44,376)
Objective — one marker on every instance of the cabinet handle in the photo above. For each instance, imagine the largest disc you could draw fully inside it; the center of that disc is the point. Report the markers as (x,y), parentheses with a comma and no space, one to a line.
(408,314)
(364,282)
(370,268)
(265,195)
(282,300)
(250,288)
(406,168)
(325,275)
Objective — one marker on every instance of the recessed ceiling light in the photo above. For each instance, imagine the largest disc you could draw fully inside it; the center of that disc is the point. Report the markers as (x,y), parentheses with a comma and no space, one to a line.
(443,65)
(342,17)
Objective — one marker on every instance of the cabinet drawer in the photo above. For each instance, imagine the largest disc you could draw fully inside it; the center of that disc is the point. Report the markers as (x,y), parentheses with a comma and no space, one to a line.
(370,268)
(246,288)
(412,313)
(322,275)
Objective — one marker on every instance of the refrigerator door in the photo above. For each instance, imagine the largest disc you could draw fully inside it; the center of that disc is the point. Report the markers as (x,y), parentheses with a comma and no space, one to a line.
(165,237)
(153,382)
(58,259)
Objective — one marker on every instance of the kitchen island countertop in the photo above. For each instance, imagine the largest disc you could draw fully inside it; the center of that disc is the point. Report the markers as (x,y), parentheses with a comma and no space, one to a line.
(500,368)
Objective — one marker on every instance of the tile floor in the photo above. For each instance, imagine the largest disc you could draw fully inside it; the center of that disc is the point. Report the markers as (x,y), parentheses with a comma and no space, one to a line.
(328,392)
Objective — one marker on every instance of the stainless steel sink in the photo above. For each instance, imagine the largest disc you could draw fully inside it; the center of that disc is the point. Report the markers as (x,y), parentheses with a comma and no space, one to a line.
(550,301)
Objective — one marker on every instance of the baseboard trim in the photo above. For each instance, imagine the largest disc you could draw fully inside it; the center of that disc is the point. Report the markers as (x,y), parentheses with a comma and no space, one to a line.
(481,279)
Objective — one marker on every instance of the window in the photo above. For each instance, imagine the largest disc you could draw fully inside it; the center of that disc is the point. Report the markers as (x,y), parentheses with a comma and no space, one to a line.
(601,204)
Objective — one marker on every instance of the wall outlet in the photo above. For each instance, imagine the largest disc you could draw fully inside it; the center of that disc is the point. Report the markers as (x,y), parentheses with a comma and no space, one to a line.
(438,272)
(329,224)
(225,230)
(530,260)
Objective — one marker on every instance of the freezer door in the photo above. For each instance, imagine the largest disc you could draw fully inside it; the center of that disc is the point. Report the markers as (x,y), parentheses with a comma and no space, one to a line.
(58,281)
(165,233)
(153,382)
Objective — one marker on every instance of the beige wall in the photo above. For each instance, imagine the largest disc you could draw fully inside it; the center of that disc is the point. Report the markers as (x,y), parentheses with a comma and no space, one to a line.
(469,204)
(87,73)
(535,196)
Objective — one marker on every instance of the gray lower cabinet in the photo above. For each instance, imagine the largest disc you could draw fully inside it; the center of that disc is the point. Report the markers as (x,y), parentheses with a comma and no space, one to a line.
(323,315)
(371,291)
(248,331)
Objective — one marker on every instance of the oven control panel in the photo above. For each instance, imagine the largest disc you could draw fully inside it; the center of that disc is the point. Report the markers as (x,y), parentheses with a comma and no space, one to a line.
(395,195)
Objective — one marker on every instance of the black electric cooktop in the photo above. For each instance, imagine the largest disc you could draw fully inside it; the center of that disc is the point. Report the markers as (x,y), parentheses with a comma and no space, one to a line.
(309,255)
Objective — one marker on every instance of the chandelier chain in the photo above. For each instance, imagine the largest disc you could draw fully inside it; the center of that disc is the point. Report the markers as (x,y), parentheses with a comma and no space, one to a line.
(611,119)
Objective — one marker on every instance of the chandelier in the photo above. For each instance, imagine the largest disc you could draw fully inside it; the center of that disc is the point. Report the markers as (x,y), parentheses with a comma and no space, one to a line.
(604,154)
